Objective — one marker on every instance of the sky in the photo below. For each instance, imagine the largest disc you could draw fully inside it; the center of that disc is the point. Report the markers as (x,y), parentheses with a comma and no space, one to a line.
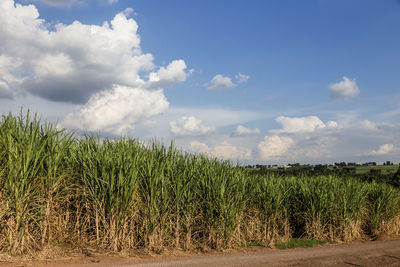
(259,82)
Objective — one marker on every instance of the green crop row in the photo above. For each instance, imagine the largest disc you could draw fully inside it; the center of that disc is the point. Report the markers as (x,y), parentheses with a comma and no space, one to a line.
(122,194)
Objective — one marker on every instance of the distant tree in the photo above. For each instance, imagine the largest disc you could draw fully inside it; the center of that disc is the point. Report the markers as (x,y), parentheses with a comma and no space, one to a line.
(396,178)
(320,169)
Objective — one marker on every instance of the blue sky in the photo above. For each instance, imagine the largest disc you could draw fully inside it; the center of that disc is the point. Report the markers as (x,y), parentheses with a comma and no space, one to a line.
(256,81)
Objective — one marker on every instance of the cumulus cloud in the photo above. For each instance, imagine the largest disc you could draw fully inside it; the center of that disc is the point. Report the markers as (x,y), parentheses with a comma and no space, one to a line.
(302,124)
(224,150)
(75,61)
(199,147)
(241,78)
(274,147)
(165,77)
(383,150)
(220,82)
(190,126)
(242,131)
(345,89)
(116,111)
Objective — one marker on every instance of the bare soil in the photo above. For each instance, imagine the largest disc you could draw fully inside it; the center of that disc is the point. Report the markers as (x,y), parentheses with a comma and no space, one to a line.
(371,253)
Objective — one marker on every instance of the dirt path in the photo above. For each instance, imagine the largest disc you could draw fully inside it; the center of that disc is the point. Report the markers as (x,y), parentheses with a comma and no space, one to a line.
(377,253)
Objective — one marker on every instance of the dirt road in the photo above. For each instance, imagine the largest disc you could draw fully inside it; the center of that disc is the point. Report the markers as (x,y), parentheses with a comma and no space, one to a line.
(377,253)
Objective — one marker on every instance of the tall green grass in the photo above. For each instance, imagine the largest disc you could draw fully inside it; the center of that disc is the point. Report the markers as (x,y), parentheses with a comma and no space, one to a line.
(56,187)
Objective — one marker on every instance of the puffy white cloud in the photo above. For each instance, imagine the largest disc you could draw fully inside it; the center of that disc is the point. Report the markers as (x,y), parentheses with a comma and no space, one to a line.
(116,111)
(72,62)
(224,150)
(229,151)
(199,147)
(345,89)
(241,78)
(220,82)
(165,77)
(274,147)
(302,124)
(190,126)
(242,131)
(383,150)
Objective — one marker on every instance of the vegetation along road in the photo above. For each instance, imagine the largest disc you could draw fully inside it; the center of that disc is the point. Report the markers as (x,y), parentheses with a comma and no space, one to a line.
(377,253)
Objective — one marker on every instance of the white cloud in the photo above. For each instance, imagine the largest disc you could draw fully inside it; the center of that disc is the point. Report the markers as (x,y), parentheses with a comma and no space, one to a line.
(331,124)
(112,1)
(228,151)
(345,89)
(190,126)
(368,125)
(5,92)
(217,116)
(302,124)
(116,111)
(224,150)
(220,82)
(383,150)
(199,147)
(74,61)
(165,77)
(241,78)
(314,146)
(274,147)
(242,131)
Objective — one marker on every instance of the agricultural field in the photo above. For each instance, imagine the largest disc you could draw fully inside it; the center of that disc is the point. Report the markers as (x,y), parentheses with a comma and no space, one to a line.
(385,169)
(121,195)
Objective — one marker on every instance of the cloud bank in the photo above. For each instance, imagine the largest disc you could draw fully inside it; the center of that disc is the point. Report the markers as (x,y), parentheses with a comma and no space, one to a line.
(224,150)
(383,150)
(302,124)
(190,126)
(100,68)
(274,147)
(75,61)
(116,111)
